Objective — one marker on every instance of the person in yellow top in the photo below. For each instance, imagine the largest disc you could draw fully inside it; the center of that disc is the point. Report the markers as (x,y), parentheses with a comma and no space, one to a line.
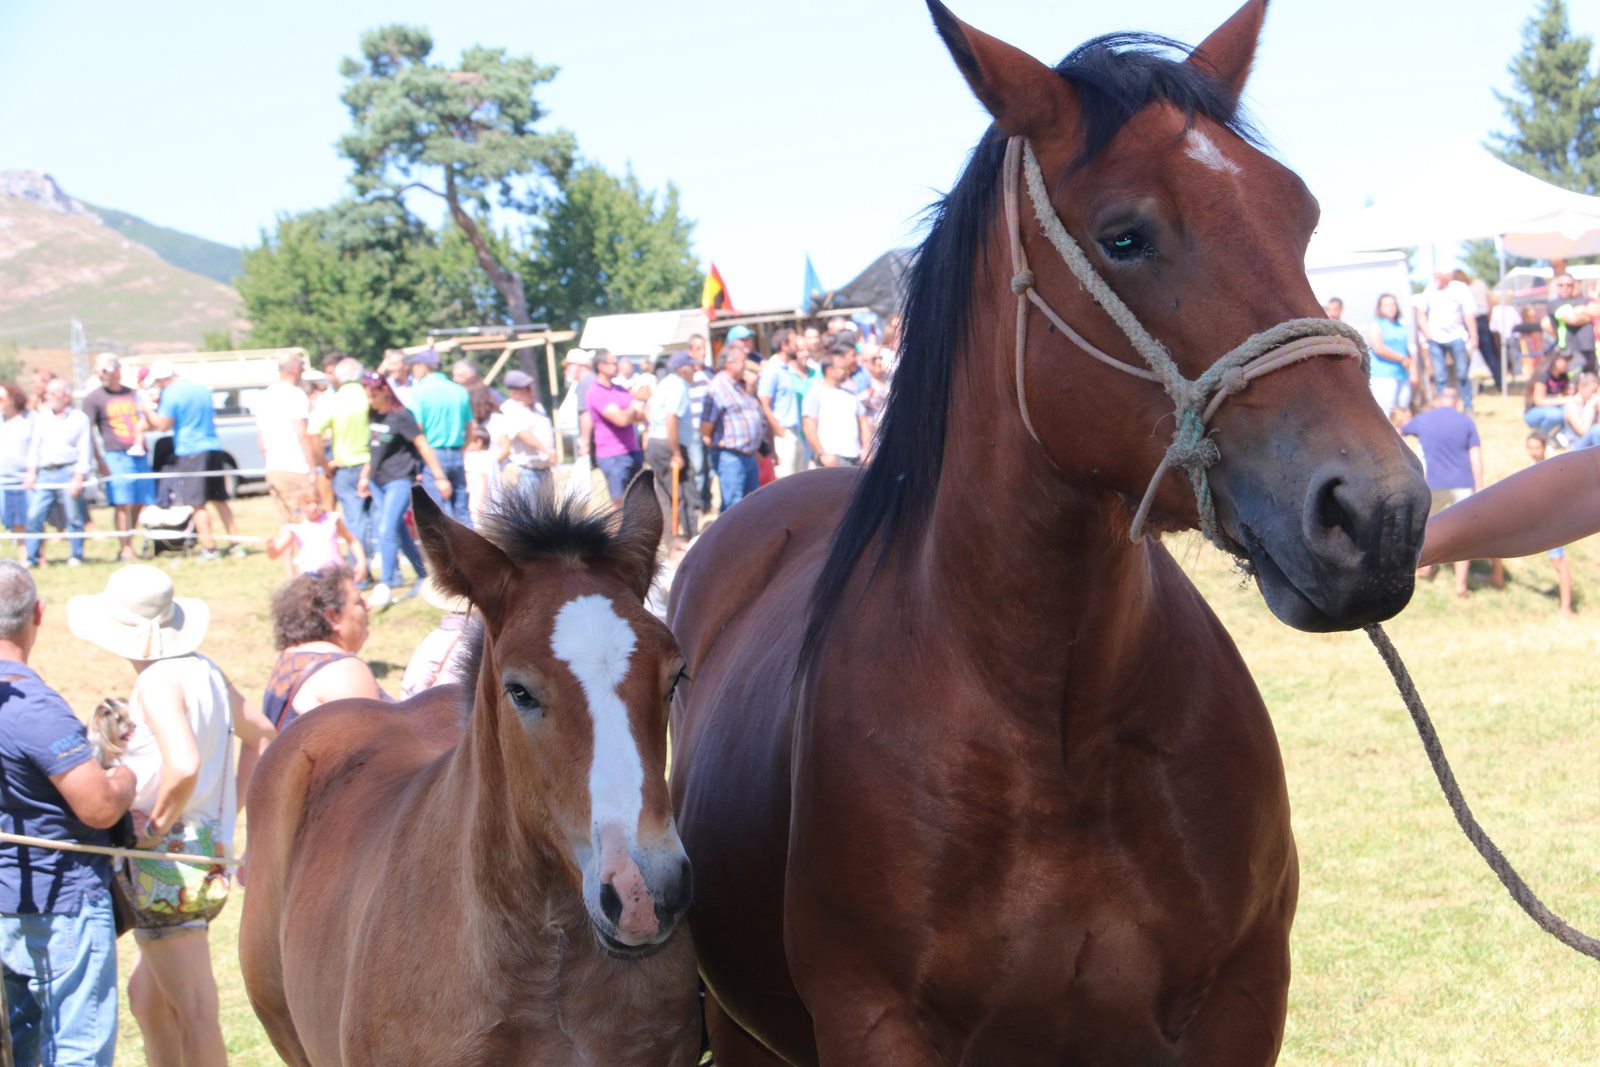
(344,422)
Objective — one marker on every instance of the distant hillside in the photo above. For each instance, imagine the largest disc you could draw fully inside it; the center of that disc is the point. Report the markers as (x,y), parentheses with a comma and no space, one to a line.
(208,259)
(59,262)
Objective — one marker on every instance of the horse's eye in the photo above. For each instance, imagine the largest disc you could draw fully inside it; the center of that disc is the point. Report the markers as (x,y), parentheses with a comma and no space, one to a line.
(1127,247)
(524,700)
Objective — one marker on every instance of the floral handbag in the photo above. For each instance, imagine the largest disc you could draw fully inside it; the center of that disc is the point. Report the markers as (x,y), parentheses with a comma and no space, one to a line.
(170,892)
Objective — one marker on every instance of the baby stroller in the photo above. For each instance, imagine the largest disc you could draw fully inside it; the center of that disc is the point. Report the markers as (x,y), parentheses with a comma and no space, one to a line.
(169,529)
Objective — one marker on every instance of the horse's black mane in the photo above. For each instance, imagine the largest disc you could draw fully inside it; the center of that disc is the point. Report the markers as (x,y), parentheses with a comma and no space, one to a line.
(1115,77)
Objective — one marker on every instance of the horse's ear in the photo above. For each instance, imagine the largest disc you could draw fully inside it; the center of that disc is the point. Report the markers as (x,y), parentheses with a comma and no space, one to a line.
(462,563)
(1230,50)
(1024,96)
(640,533)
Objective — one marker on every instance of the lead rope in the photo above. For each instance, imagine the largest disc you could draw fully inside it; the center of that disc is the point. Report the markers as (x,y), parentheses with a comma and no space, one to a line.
(1195,402)
(1547,920)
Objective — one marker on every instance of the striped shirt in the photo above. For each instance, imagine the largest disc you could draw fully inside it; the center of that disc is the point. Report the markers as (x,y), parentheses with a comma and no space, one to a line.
(737,422)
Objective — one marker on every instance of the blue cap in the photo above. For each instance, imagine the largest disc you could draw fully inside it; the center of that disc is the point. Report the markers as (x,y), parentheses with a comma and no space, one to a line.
(738,333)
(427,357)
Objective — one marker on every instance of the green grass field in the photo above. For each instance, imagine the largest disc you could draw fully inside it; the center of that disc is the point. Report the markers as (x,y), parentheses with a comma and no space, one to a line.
(1406,948)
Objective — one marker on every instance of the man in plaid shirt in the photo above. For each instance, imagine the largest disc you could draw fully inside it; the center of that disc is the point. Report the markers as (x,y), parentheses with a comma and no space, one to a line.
(732,428)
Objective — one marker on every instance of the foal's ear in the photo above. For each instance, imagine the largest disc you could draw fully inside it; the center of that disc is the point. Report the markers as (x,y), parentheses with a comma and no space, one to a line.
(1024,96)
(1230,50)
(640,533)
(462,562)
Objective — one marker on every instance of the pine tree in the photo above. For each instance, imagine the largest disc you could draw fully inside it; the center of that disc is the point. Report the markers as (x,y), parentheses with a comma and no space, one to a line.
(1554,106)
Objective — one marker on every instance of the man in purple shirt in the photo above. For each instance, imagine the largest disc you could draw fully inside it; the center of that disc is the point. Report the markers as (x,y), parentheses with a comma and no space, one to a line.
(1452,459)
(616,414)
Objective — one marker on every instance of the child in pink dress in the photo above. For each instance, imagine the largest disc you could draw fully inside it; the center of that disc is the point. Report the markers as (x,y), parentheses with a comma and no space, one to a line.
(314,541)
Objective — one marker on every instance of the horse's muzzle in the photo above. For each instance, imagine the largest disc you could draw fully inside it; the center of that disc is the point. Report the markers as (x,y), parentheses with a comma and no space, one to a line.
(1346,556)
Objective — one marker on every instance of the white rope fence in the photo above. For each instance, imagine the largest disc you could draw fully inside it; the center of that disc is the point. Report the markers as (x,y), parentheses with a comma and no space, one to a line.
(150,534)
(12,481)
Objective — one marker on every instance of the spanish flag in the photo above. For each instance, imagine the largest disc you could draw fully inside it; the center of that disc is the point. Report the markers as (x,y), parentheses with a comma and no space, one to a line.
(714,296)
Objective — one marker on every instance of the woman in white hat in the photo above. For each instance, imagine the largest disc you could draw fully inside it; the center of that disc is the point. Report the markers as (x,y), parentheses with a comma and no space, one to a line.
(185,714)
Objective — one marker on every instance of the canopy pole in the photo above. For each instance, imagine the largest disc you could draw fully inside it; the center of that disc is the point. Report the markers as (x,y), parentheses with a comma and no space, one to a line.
(1505,361)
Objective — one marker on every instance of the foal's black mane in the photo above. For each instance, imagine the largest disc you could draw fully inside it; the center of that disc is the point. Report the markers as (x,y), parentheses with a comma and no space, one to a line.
(1114,77)
(529,526)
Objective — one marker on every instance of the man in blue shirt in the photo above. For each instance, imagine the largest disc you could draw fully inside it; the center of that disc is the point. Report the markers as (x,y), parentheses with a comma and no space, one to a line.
(57,932)
(444,411)
(185,408)
(781,390)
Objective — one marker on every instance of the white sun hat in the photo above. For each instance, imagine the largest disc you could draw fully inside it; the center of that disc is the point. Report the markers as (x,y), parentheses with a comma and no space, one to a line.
(138,618)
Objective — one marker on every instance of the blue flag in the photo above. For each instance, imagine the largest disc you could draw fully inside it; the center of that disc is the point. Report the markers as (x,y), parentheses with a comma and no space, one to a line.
(814,290)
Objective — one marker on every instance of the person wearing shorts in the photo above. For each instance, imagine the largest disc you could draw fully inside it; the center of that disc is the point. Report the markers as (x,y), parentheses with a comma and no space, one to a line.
(114,411)
(185,409)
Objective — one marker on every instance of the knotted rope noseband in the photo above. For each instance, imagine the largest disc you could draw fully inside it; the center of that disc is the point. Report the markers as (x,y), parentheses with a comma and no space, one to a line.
(1194,401)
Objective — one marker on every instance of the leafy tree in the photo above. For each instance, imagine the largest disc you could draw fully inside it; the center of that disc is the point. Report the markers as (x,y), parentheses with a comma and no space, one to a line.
(607,247)
(216,340)
(1554,107)
(360,276)
(457,133)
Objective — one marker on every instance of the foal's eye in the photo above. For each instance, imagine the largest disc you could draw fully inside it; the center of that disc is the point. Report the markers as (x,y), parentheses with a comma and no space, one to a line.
(1127,247)
(524,700)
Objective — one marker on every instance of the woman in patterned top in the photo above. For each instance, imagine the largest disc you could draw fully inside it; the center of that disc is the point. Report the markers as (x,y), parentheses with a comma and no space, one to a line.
(319,623)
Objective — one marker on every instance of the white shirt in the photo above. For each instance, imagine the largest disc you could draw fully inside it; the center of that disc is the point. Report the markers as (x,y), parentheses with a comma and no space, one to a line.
(837,413)
(515,417)
(279,405)
(205,699)
(671,397)
(1448,310)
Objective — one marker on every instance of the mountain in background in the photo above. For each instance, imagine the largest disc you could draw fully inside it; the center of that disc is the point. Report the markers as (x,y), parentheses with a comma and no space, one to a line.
(60,261)
(197,255)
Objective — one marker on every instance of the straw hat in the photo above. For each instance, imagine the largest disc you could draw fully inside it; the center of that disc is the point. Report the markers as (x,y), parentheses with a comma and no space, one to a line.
(437,597)
(137,617)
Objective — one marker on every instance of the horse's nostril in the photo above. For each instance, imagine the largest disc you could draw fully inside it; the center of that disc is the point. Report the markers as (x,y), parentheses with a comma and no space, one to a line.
(610,903)
(1331,514)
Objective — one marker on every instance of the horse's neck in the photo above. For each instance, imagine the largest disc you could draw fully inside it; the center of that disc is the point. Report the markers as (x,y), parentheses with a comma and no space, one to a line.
(1036,574)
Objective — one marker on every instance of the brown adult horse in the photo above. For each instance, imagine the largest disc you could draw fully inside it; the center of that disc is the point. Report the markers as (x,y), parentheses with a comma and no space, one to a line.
(966,775)
(504,888)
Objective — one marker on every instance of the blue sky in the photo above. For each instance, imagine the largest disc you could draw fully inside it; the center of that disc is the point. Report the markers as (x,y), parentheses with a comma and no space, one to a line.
(822,127)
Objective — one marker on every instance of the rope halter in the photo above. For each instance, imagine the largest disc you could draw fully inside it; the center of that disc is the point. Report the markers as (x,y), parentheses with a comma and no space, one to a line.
(1194,401)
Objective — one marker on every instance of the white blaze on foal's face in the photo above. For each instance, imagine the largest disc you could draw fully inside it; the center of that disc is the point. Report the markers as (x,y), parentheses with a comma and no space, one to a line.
(596,645)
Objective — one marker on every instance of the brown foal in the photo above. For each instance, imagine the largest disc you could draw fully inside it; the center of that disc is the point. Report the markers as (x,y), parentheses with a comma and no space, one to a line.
(488,873)
(1005,793)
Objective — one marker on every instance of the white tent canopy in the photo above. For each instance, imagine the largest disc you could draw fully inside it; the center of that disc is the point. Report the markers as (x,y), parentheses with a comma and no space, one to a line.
(646,333)
(1465,194)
